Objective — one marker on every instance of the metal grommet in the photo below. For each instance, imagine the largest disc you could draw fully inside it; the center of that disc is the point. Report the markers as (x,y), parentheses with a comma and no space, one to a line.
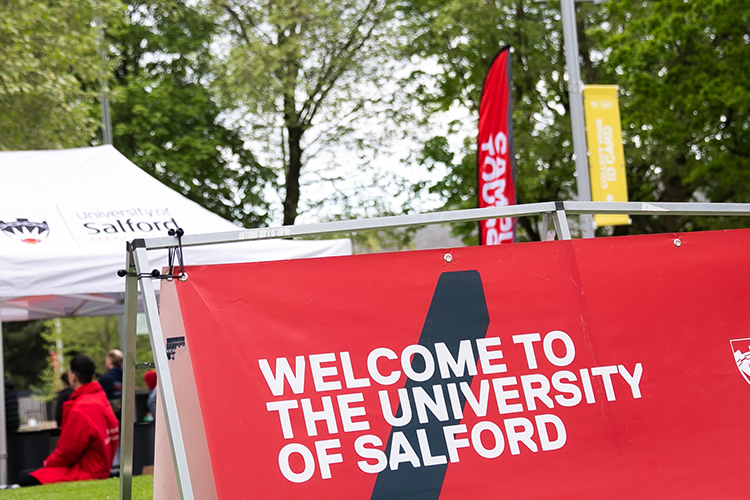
(183,277)
(448,257)
(677,242)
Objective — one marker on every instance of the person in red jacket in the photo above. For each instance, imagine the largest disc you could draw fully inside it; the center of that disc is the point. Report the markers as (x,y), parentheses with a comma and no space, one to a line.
(89,436)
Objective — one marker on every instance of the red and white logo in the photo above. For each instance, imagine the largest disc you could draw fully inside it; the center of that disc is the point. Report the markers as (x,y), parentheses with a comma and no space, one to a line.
(741,350)
(25,231)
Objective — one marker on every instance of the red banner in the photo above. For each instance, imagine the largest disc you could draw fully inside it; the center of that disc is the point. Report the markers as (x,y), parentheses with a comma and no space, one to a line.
(582,369)
(495,161)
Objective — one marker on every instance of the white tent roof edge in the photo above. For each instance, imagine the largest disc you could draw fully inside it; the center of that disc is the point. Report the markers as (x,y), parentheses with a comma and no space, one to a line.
(65,216)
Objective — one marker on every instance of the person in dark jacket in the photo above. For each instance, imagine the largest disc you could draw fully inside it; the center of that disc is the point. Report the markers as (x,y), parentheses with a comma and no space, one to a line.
(62,397)
(89,437)
(111,381)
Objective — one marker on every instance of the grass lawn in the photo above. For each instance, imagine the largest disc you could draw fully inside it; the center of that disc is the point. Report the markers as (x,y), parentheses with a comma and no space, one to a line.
(83,490)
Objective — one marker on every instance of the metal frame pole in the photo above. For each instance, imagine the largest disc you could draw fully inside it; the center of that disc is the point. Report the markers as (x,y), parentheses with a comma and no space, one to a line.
(575,92)
(561,222)
(3,417)
(657,208)
(166,388)
(544,233)
(472,214)
(128,382)
(326,228)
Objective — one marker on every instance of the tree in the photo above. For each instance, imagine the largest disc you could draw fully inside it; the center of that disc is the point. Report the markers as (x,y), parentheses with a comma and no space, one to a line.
(166,118)
(25,351)
(91,336)
(682,68)
(463,37)
(304,73)
(50,66)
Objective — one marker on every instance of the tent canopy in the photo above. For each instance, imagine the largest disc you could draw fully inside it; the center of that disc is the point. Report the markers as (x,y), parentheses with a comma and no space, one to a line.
(65,216)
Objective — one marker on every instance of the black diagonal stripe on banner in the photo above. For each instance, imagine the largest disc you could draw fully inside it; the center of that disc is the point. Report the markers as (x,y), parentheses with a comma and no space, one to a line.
(458,311)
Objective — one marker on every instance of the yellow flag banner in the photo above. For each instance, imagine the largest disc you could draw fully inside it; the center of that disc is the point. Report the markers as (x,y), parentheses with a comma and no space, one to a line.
(606,156)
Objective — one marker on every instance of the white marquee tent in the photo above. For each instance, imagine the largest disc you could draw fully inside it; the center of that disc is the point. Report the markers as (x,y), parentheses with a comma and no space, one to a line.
(65,216)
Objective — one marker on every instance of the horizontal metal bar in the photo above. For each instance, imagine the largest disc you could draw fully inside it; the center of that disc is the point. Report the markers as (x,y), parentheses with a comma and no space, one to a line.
(656,208)
(58,312)
(473,214)
(89,311)
(49,312)
(3,300)
(95,298)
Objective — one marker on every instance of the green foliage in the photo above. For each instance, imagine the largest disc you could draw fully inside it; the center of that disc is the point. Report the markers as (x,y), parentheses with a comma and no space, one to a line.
(143,487)
(143,354)
(304,74)
(50,66)
(166,119)
(685,106)
(459,187)
(681,69)
(25,352)
(463,37)
(92,336)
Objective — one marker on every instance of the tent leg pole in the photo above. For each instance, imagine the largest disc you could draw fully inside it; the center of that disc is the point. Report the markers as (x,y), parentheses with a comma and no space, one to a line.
(561,223)
(3,430)
(544,234)
(127,342)
(165,386)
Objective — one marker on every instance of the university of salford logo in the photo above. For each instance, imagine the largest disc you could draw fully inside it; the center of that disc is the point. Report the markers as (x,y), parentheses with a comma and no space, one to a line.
(741,350)
(25,231)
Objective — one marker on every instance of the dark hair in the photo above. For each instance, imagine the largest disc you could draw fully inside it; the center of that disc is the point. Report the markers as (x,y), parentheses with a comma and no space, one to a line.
(64,378)
(83,368)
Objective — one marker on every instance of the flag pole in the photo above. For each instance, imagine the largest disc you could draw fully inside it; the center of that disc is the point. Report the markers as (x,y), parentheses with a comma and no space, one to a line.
(575,91)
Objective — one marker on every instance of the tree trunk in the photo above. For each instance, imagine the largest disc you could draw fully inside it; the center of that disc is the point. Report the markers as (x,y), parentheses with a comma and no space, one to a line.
(287,75)
(291,199)
(588,75)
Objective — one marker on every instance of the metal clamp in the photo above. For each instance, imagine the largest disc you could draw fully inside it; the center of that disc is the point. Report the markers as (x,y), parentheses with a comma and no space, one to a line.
(174,253)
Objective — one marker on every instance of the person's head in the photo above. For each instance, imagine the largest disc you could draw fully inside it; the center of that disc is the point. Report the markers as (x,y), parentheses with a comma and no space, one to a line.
(65,380)
(114,359)
(150,378)
(82,370)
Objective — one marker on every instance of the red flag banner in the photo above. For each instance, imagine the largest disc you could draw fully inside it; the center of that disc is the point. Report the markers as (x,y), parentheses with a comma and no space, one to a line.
(610,368)
(495,152)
